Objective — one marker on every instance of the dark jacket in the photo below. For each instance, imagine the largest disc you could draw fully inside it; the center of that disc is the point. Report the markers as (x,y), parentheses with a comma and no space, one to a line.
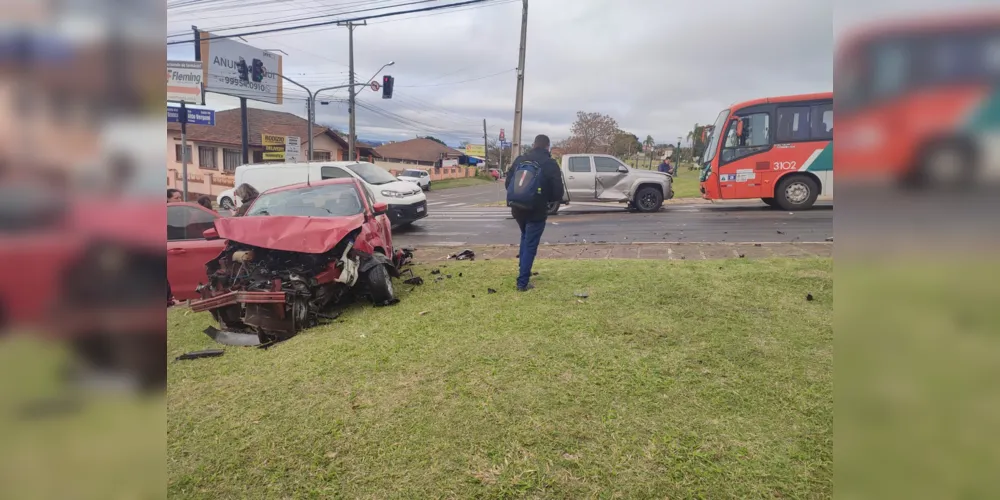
(553,183)
(664,167)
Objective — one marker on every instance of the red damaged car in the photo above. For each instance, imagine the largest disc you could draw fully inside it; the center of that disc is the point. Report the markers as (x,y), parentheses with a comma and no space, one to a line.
(298,250)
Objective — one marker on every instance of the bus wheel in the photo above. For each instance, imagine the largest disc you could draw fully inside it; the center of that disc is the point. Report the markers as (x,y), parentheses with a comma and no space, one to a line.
(770,202)
(797,192)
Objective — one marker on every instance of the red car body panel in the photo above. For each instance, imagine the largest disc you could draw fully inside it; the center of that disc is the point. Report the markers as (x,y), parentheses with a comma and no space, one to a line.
(186,259)
(291,234)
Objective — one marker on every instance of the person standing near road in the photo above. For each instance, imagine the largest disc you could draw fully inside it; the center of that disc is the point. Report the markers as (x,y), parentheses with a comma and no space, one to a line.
(533,181)
(206,202)
(664,166)
(246,194)
(174,196)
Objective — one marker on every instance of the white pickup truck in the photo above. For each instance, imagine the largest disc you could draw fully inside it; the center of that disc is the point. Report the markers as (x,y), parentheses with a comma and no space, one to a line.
(604,178)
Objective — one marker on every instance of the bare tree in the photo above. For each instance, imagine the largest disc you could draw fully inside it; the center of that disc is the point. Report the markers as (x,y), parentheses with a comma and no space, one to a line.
(593,132)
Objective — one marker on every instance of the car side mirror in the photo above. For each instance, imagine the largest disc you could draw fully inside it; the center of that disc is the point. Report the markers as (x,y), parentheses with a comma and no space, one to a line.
(380,208)
(210,234)
(622,169)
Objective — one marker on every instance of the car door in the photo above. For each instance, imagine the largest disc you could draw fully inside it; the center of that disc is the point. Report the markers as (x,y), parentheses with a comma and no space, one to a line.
(377,232)
(580,179)
(611,175)
(187,249)
(745,159)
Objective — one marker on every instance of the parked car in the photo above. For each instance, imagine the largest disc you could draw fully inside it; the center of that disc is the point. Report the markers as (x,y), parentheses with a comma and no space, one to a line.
(407,202)
(604,178)
(298,250)
(421,177)
(187,248)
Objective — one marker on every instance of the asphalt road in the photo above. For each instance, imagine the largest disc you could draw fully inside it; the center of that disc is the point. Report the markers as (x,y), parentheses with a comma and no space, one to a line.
(454,219)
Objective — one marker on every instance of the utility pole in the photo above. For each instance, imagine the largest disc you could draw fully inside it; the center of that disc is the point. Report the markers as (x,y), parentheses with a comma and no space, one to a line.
(486,147)
(350,47)
(519,101)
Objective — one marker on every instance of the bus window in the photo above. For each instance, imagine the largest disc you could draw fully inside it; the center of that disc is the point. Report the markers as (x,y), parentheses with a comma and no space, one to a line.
(793,124)
(755,138)
(821,118)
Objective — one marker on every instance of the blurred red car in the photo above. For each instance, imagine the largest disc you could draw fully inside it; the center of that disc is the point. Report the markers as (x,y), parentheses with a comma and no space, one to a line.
(495,174)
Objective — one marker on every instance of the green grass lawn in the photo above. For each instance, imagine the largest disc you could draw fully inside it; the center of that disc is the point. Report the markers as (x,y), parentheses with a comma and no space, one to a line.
(460,182)
(674,379)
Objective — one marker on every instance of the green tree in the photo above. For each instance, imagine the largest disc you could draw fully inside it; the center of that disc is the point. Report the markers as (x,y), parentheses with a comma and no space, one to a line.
(435,139)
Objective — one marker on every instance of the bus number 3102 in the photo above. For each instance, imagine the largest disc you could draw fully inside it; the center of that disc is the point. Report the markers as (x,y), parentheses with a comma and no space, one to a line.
(784,165)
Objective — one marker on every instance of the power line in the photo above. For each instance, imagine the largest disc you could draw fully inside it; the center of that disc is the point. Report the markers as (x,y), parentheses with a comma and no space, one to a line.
(285,20)
(336,21)
(460,82)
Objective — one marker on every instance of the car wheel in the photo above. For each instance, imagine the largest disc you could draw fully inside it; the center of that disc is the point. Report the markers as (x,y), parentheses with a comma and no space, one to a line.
(648,199)
(428,188)
(227,204)
(770,202)
(553,207)
(797,192)
(380,286)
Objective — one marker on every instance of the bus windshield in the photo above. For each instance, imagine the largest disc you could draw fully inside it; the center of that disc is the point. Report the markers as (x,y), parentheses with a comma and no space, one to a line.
(713,141)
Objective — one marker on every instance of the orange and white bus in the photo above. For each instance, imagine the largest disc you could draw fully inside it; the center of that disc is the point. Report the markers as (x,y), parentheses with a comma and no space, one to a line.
(776,149)
(919,100)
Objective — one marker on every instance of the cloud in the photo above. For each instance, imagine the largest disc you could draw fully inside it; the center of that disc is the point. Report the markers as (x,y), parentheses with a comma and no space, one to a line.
(657,67)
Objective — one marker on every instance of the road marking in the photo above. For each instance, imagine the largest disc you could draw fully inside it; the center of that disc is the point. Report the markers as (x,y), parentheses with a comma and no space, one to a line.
(436,203)
(454,205)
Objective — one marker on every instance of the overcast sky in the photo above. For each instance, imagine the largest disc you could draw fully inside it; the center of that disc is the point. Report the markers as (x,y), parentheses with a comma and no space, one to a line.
(656,66)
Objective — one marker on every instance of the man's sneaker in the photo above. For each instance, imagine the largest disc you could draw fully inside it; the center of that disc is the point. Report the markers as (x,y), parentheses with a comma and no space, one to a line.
(526,288)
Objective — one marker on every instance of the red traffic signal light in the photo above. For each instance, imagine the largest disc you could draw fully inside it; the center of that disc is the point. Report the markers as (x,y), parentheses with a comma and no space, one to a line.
(387,82)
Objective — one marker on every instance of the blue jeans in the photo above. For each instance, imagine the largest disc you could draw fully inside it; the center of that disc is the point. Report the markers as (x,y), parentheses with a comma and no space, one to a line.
(531,236)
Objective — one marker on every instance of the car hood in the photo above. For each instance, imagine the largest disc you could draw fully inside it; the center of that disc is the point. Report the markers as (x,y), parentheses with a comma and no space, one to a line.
(407,179)
(288,233)
(405,187)
(648,174)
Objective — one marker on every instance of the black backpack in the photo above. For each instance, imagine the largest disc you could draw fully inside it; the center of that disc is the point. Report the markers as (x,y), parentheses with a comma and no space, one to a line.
(525,190)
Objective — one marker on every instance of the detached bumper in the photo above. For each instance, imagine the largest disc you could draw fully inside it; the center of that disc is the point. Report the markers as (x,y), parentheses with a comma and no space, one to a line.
(403,214)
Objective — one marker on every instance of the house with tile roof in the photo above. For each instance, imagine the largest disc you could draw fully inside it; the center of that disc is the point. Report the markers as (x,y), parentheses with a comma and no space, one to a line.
(217,150)
(426,152)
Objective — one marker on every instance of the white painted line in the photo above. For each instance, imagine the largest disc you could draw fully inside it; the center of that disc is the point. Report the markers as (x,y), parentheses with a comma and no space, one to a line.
(437,203)
(454,205)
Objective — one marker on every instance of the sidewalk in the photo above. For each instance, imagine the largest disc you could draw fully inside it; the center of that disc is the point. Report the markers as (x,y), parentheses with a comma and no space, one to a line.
(668,251)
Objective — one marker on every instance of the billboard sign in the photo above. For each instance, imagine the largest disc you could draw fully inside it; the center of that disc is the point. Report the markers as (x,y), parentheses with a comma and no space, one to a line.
(287,148)
(184,82)
(475,150)
(237,69)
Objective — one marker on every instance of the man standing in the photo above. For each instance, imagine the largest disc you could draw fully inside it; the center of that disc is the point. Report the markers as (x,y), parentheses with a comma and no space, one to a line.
(664,166)
(538,171)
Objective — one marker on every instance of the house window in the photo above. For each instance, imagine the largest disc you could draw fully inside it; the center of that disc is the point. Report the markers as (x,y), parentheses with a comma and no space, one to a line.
(231,158)
(258,156)
(321,156)
(177,153)
(207,158)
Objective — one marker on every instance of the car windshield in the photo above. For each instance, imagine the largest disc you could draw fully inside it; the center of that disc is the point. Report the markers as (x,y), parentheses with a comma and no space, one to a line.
(713,141)
(372,174)
(332,200)
(411,173)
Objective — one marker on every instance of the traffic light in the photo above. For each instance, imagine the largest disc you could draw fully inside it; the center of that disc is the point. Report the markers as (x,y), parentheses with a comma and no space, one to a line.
(387,82)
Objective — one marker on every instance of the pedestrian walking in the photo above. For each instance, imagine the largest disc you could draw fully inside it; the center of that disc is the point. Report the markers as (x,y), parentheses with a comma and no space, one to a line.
(533,181)
(246,193)
(174,196)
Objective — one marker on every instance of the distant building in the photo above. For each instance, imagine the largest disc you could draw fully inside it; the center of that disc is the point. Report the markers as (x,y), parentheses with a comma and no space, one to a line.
(419,151)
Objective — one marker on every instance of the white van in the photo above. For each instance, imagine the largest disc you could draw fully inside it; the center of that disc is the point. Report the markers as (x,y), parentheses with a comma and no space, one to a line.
(407,202)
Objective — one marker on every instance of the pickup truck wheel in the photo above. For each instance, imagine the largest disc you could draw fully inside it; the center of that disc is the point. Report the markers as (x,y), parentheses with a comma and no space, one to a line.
(227,204)
(380,286)
(648,199)
(553,207)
